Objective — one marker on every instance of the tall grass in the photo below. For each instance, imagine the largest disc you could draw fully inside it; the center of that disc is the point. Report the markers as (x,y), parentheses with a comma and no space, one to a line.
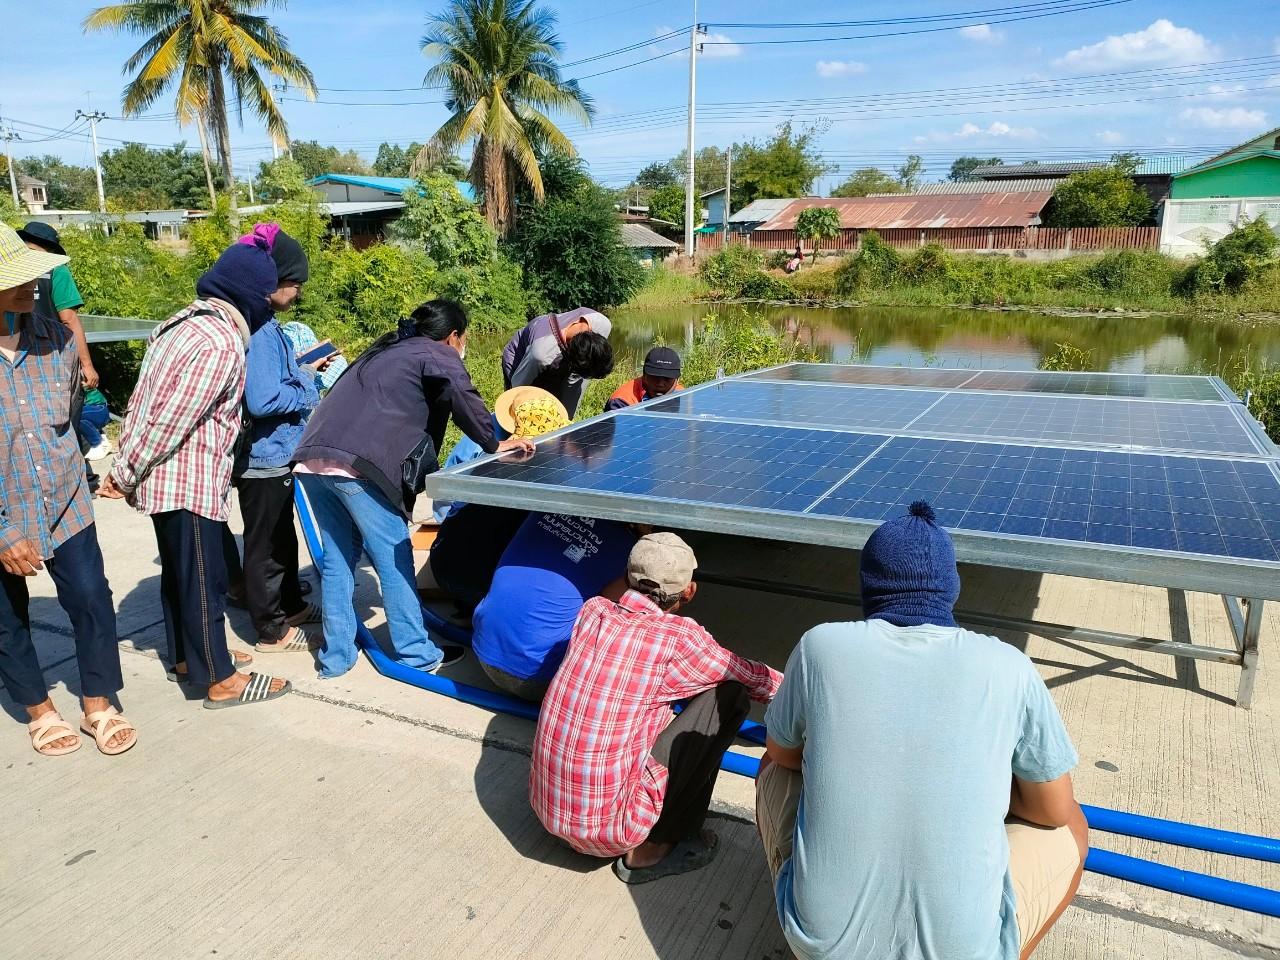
(665,287)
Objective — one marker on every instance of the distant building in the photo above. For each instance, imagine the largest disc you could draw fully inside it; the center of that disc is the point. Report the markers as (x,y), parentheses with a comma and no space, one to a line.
(645,245)
(713,203)
(969,210)
(33,193)
(1213,197)
(757,212)
(156,224)
(361,208)
(1153,175)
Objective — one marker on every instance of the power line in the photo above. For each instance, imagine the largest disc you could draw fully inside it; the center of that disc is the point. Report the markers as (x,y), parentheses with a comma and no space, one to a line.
(890,21)
(632,47)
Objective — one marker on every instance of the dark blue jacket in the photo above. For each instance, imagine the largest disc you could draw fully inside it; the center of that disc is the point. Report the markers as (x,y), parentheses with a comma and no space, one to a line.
(383,408)
(277,396)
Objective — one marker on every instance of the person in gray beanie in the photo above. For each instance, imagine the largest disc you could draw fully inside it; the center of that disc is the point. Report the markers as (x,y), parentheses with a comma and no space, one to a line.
(915,798)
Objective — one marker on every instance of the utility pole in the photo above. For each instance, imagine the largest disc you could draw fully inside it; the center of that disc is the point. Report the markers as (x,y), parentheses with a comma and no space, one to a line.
(690,186)
(93,119)
(10,136)
(728,187)
(252,201)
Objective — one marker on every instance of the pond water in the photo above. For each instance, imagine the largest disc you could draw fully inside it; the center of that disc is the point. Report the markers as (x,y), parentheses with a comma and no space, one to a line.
(932,336)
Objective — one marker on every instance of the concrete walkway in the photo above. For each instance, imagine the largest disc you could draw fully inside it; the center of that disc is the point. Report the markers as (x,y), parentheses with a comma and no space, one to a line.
(364,818)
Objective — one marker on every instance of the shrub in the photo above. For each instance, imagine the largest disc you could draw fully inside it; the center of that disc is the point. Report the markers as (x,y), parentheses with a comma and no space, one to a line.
(735,341)
(765,286)
(1135,272)
(816,283)
(438,220)
(1235,261)
(1262,385)
(1068,356)
(929,264)
(494,294)
(777,260)
(875,264)
(726,270)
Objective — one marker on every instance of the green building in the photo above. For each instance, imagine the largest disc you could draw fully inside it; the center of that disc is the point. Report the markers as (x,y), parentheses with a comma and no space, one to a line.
(1251,169)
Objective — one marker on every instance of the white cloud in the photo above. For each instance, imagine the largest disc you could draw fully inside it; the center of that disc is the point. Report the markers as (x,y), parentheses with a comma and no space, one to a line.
(840,68)
(1160,43)
(718,45)
(971,131)
(1226,89)
(982,33)
(1228,118)
(1110,137)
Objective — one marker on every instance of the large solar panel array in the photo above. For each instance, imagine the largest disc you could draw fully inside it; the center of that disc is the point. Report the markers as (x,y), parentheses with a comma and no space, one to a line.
(1158,481)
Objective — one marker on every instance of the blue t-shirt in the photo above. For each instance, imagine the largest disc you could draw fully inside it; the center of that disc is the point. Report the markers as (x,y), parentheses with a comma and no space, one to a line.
(910,735)
(551,568)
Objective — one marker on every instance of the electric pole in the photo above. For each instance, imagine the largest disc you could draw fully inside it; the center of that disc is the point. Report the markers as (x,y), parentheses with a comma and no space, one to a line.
(93,119)
(728,187)
(690,186)
(10,136)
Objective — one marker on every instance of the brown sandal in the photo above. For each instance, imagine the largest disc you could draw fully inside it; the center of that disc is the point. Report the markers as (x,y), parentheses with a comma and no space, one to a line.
(47,728)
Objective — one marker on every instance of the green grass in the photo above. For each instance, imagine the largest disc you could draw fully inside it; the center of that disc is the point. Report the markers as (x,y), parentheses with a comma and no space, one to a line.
(667,288)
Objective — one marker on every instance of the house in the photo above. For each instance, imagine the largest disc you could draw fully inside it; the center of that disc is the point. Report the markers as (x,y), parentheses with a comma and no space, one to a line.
(156,224)
(1209,199)
(33,193)
(361,208)
(757,212)
(1153,175)
(645,245)
(713,202)
(921,212)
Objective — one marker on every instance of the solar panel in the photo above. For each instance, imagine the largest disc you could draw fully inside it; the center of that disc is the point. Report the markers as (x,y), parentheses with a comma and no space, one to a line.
(1134,386)
(1095,421)
(1041,481)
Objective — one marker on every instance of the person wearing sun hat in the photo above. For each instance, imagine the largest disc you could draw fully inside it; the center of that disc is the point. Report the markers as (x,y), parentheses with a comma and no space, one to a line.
(916,787)
(59,296)
(46,516)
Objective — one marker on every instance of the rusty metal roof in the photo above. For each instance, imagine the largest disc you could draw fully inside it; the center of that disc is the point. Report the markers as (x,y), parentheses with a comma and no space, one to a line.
(1020,209)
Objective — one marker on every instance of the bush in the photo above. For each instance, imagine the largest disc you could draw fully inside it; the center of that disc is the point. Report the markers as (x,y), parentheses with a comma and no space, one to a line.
(438,220)
(726,270)
(494,294)
(930,264)
(1234,262)
(1068,356)
(735,341)
(764,286)
(1104,197)
(777,260)
(1136,272)
(816,283)
(875,264)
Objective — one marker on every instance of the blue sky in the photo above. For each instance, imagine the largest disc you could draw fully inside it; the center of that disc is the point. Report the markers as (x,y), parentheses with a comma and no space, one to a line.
(901,94)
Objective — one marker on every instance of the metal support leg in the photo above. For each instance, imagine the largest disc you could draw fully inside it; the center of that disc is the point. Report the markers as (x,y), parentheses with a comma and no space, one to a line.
(1248,643)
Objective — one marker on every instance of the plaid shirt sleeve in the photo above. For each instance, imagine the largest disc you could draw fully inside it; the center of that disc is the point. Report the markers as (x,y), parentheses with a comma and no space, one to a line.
(174,400)
(700,664)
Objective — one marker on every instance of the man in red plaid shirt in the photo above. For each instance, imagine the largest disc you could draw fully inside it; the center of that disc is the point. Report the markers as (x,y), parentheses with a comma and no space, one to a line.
(615,774)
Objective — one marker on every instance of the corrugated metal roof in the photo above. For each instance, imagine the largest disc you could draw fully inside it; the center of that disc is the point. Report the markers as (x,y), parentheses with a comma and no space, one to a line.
(978,186)
(395,185)
(758,211)
(341,208)
(1258,143)
(1020,209)
(1149,167)
(638,235)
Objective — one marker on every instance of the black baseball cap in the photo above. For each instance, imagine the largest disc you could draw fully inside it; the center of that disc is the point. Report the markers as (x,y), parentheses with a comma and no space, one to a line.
(43,236)
(662,362)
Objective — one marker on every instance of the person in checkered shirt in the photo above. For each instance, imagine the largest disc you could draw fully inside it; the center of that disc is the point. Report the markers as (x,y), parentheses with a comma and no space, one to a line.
(615,773)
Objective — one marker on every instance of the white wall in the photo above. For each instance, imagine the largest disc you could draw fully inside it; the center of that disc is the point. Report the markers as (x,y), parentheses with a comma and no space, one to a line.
(1188,224)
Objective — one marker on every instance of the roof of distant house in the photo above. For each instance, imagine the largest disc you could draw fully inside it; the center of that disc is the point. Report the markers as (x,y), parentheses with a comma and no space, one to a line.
(638,235)
(25,181)
(758,211)
(1262,141)
(1147,167)
(1015,209)
(979,186)
(396,185)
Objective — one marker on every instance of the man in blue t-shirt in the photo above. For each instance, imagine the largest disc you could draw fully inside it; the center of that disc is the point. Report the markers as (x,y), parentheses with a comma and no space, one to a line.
(915,801)
(551,568)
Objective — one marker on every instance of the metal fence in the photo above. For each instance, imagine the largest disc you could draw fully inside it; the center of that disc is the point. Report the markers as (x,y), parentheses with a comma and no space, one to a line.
(959,238)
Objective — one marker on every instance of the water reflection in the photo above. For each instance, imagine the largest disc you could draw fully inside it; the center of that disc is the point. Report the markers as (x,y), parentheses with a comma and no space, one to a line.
(931,336)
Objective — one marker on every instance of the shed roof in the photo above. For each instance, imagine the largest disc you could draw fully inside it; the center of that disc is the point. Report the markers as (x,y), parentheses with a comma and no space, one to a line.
(979,186)
(1147,167)
(638,235)
(396,185)
(26,181)
(758,211)
(1015,209)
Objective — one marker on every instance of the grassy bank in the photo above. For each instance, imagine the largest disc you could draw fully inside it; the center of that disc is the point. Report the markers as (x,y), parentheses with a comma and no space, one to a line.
(665,287)
(1237,276)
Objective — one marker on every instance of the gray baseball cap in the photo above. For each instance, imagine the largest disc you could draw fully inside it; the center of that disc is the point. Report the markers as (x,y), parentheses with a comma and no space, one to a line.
(661,563)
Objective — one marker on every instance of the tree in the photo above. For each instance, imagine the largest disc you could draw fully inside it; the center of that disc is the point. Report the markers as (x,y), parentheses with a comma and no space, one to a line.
(656,176)
(787,165)
(139,178)
(444,224)
(497,60)
(1102,197)
(1127,163)
(67,187)
(316,159)
(818,224)
(200,47)
(394,160)
(570,247)
(667,203)
(865,181)
(283,179)
(962,167)
(708,169)
(910,172)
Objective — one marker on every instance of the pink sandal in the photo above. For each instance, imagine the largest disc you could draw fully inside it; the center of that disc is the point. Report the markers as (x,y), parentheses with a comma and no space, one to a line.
(47,728)
(102,725)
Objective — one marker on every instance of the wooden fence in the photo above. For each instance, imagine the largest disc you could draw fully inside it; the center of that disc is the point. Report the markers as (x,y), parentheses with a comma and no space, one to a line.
(960,238)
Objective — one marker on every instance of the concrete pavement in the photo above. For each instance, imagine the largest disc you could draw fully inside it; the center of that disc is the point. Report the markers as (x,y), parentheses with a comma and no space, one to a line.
(364,818)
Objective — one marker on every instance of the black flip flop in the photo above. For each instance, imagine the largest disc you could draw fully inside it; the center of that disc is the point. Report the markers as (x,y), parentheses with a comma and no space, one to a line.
(257,690)
(685,857)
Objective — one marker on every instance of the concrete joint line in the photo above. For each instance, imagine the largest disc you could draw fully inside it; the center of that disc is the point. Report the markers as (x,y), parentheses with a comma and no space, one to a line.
(1208,931)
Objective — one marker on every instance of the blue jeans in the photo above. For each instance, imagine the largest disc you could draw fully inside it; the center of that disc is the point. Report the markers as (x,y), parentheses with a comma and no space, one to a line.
(93,418)
(352,514)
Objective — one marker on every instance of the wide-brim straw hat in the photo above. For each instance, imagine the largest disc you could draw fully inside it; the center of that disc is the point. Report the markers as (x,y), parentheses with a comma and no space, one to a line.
(20,264)
(504,408)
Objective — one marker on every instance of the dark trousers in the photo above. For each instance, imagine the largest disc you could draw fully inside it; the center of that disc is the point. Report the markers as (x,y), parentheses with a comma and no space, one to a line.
(690,748)
(83,591)
(270,554)
(193,584)
(231,557)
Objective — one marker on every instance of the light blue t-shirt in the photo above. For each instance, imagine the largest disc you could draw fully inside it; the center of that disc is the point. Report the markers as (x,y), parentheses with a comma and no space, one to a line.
(910,735)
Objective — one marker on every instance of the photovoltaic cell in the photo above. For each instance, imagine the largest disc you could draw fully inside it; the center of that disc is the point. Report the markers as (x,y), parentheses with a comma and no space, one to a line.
(1194,427)
(851,373)
(771,468)
(1135,386)
(1222,508)
(802,403)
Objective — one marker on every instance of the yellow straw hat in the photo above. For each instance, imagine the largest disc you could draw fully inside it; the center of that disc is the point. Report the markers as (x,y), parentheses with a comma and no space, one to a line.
(547,413)
(20,264)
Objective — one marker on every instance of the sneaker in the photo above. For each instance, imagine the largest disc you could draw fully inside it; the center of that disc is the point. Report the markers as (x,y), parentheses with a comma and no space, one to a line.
(451,654)
(100,451)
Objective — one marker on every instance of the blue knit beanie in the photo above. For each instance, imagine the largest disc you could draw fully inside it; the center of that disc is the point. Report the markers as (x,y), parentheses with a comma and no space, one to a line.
(909,574)
(244,276)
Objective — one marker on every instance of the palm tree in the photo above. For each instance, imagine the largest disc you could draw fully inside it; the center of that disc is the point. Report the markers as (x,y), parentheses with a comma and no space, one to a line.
(497,59)
(201,46)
